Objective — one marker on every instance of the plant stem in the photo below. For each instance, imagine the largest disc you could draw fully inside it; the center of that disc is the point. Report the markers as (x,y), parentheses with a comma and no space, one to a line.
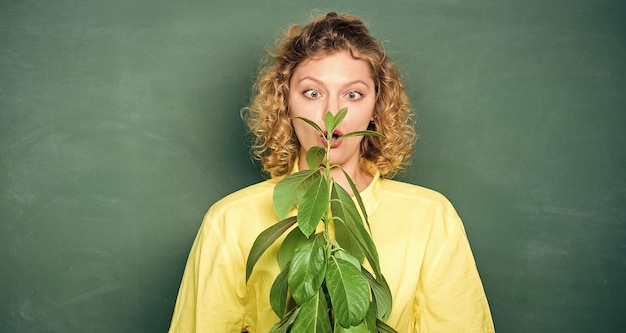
(328,210)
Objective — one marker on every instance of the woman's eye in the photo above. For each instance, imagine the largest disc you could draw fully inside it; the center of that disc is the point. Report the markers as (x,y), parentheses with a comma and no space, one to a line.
(354,95)
(312,93)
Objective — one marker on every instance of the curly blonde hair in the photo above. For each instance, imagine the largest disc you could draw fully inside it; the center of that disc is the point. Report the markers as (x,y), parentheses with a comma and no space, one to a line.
(274,141)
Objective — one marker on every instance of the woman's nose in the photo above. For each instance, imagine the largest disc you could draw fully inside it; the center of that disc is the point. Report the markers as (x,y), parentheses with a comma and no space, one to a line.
(332,104)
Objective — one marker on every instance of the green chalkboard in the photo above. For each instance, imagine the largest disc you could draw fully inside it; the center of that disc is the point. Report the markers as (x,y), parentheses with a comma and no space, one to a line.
(119,127)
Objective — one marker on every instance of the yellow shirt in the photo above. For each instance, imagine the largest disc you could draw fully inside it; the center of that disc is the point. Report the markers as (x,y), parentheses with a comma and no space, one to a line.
(423,249)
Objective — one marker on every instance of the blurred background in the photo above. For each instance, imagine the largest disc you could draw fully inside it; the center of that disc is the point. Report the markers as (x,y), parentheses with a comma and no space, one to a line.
(120,127)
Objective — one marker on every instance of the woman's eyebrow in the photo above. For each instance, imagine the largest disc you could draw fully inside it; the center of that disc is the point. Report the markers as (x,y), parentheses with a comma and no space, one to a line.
(349,83)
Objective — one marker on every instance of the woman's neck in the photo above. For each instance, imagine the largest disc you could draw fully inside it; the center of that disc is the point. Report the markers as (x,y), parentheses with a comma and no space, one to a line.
(360,177)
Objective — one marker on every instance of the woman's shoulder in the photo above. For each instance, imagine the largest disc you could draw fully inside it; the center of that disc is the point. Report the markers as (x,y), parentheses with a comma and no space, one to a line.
(255,194)
(399,190)
(239,217)
(415,200)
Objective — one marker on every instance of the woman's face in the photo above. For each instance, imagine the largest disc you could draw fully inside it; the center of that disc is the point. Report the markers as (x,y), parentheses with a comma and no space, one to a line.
(331,82)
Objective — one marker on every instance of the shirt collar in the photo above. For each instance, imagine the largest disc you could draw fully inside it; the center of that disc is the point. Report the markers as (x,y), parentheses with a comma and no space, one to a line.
(371,195)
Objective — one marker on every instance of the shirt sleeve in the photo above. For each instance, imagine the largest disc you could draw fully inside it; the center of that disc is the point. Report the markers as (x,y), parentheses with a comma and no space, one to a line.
(208,299)
(450,296)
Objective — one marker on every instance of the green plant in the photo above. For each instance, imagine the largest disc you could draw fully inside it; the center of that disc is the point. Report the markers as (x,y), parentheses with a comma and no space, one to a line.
(322,285)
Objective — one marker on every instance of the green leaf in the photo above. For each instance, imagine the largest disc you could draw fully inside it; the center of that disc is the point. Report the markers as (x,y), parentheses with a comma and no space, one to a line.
(264,240)
(294,238)
(360,133)
(330,123)
(343,255)
(279,292)
(290,190)
(346,238)
(313,316)
(357,195)
(343,207)
(314,157)
(368,325)
(382,327)
(284,324)
(313,205)
(312,123)
(340,115)
(348,290)
(370,317)
(382,294)
(359,328)
(307,269)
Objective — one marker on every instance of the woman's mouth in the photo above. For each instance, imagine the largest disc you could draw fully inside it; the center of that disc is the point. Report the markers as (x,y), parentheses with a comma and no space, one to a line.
(334,142)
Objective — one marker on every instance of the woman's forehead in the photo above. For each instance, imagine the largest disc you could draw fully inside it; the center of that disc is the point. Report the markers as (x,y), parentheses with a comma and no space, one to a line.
(333,65)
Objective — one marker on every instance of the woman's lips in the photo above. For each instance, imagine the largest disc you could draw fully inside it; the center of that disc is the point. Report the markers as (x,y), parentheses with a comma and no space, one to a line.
(334,142)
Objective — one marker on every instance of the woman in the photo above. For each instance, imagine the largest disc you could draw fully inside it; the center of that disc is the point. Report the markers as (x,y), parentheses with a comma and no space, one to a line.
(331,63)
